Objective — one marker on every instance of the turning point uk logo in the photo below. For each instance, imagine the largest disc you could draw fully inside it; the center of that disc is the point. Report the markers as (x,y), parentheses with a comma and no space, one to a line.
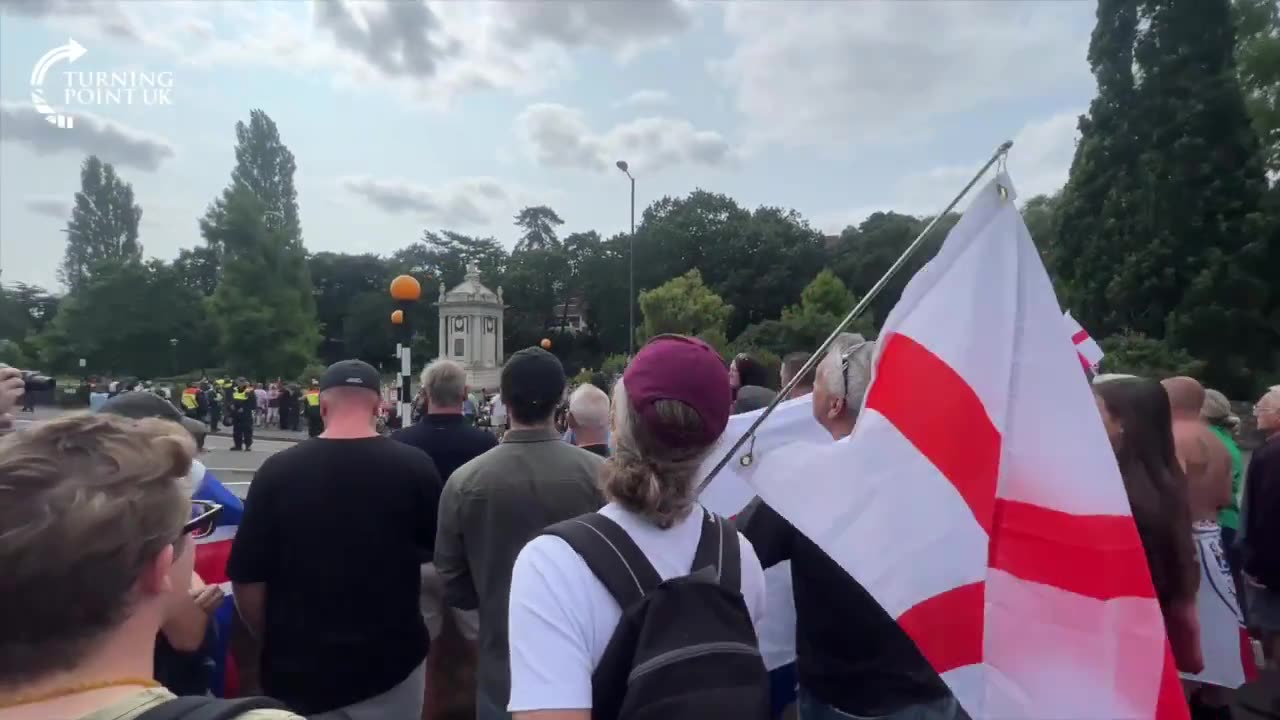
(88,88)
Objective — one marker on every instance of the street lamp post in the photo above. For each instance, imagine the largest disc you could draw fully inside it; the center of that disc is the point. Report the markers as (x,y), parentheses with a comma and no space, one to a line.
(631,265)
(173,346)
(405,290)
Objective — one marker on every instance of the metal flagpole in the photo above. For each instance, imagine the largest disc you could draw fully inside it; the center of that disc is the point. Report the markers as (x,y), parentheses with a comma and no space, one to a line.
(848,319)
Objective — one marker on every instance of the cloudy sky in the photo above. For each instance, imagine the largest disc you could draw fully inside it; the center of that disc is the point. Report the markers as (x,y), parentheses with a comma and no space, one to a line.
(404,115)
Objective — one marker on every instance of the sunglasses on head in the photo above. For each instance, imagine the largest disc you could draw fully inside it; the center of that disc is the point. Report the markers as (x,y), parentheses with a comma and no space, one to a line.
(844,364)
(204,518)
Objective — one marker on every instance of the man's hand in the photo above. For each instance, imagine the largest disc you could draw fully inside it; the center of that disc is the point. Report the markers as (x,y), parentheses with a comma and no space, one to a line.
(11,387)
(208,598)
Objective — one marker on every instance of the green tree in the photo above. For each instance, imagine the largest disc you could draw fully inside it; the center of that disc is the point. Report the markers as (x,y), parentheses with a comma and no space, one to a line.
(1098,214)
(264,305)
(1258,65)
(603,285)
(1202,267)
(199,268)
(1137,354)
(112,322)
(442,257)
(338,280)
(25,310)
(264,166)
(367,332)
(578,250)
(103,225)
(532,283)
(863,254)
(823,304)
(683,305)
(538,228)
(756,261)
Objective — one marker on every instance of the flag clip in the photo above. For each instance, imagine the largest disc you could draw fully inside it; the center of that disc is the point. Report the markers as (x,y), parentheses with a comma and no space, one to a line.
(748,457)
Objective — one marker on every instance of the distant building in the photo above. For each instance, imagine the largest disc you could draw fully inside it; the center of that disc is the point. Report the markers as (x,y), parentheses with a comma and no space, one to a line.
(569,316)
(471,329)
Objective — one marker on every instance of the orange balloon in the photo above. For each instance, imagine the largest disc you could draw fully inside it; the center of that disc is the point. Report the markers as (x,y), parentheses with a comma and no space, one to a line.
(406,288)
(546,344)
(397,317)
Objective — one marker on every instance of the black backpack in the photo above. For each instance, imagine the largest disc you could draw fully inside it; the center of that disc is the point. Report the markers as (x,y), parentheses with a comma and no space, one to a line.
(684,647)
(209,708)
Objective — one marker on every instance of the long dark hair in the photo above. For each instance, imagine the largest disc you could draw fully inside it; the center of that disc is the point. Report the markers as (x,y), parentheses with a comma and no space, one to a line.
(1155,483)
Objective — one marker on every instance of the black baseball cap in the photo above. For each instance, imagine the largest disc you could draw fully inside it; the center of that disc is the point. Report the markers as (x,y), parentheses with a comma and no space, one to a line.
(350,373)
(141,404)
(533,378)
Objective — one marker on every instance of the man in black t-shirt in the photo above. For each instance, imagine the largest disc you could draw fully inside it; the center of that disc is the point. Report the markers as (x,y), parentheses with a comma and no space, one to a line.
(325,564)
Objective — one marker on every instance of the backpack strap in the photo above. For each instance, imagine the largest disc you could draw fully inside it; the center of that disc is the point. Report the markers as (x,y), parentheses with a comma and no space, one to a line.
(718,551)
(208,708)
(611,554)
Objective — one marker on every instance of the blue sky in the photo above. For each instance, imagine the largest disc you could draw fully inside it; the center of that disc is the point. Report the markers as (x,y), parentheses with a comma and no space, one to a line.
(404,115)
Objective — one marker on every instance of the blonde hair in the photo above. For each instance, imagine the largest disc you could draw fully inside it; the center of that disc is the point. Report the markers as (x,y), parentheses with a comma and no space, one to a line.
(86,502)
(644,474)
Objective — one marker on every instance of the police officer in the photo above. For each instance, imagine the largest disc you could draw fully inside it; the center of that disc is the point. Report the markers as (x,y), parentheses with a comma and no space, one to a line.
(192,399)
(243,405)
(315,423)
(213,401)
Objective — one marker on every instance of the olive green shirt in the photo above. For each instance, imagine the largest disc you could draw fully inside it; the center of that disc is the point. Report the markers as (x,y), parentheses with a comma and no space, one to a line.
(490,508)
(134,705)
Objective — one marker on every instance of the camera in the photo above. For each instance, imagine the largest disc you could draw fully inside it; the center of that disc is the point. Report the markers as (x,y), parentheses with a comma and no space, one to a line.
(35,382)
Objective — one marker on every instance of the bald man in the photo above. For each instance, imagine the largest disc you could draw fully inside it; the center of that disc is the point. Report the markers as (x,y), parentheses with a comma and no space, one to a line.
(335,532)
(1203,457)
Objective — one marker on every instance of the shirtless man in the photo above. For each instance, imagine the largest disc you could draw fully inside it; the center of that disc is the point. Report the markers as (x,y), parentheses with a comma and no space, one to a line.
(1207,465)
(1203,457)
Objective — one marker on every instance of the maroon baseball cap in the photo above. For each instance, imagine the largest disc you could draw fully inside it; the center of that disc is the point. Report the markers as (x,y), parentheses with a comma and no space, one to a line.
(686,369)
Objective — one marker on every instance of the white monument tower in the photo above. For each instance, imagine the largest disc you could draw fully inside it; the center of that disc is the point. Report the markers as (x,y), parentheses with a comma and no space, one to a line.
(471,329)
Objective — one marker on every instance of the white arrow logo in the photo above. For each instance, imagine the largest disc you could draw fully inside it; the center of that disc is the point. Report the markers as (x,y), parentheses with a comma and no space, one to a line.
(70,52)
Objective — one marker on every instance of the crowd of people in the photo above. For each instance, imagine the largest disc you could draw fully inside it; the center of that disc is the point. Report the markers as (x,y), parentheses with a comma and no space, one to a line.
(243,406)
(559,573)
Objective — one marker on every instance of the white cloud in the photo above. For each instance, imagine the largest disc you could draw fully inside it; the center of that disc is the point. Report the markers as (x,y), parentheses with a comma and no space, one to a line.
(54,207)
(92,135)
(431,52)
(644,98)
(840,73)
(1038,164)
(426,52)
(465,203)
(626,27)
(107,18)
(558,136)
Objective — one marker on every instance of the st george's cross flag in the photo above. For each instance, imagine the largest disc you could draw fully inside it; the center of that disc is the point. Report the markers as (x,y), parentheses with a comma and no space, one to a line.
(1015,565)
(1087,348)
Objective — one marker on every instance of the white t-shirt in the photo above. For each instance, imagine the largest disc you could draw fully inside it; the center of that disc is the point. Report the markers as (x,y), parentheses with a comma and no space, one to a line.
(498,411)
(561,616)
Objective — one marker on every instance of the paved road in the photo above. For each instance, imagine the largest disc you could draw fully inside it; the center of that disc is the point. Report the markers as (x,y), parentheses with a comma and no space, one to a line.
(235,469)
